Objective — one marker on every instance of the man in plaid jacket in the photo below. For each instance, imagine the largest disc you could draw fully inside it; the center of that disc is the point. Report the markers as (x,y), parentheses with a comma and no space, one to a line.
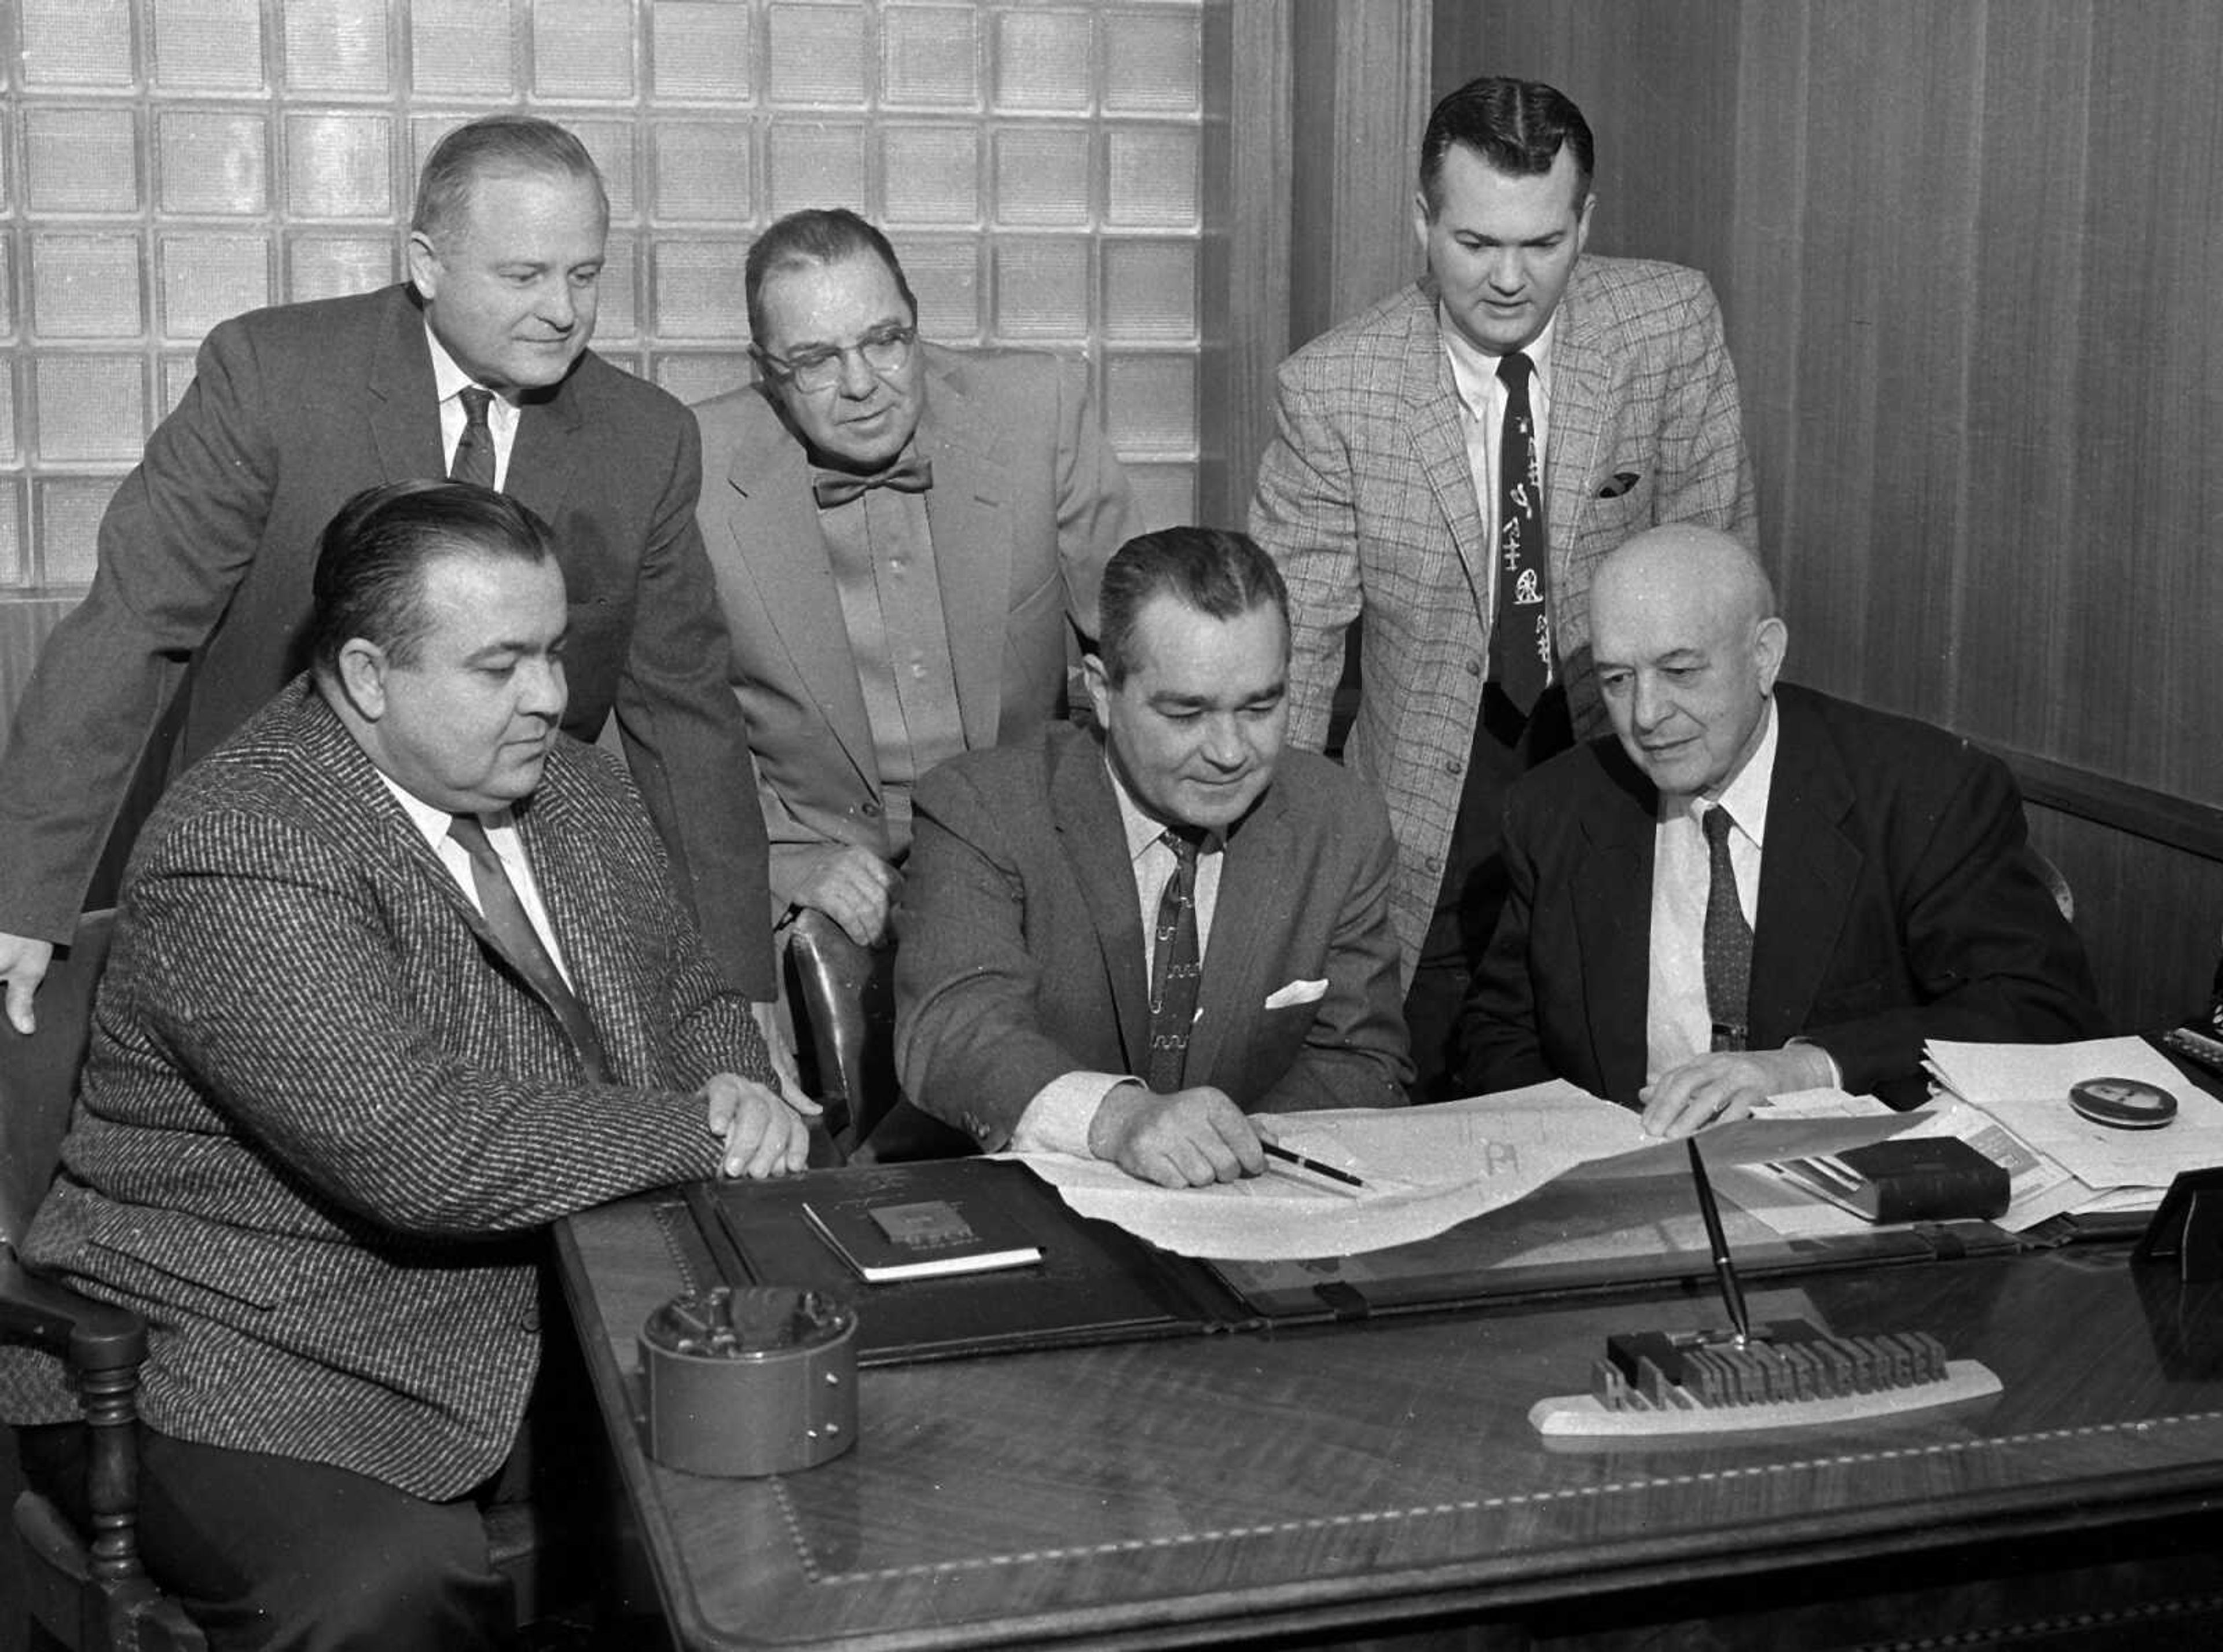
(343,1074)
(1384,498)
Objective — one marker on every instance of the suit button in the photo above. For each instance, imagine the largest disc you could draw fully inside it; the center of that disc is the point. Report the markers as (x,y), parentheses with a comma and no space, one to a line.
(870,809)
(1474,668)
(530,1321)
(1451,765)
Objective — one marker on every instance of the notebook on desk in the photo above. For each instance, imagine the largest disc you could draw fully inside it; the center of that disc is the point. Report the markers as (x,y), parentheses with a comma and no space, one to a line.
(1096,1283)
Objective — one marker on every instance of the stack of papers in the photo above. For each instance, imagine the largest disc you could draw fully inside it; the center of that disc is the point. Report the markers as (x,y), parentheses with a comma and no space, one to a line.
(2010,1101)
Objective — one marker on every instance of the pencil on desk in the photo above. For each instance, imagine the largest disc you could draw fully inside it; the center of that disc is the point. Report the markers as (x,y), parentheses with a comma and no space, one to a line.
(1274,1150)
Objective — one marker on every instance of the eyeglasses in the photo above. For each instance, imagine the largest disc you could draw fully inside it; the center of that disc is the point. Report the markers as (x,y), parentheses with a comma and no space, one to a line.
(884,349)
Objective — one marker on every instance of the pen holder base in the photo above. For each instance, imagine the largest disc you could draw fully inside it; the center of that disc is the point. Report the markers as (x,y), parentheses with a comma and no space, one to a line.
(756,1381)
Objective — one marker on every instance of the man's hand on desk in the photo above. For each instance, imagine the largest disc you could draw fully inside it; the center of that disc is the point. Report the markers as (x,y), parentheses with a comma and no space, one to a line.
(763,1135)
(1714,1088)
(1188,1138)
(854,887)
(23,965)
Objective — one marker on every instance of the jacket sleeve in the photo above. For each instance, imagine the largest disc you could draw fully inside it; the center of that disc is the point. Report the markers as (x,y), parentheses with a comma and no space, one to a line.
(971,1048)
(685,737)
(1501,1040)
(1987,954)
(1304,515)
(173,544)
(264,965)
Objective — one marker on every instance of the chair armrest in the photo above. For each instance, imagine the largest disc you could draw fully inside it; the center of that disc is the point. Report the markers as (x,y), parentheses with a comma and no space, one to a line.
(93,1336)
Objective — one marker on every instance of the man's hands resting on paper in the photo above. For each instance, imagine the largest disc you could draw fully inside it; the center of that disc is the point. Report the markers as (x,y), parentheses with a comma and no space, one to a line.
(1718,1088)
(1189,1138)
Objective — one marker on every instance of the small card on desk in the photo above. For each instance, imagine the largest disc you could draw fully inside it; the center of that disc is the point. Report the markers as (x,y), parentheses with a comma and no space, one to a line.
(920,1239)
(1930,1178)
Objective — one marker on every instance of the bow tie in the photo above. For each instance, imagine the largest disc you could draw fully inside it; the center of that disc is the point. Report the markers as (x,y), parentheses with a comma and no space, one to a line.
(909,475)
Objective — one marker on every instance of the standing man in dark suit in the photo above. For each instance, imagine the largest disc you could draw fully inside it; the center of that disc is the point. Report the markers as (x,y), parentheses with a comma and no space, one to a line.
(1130,942)
(401,975)
(1750,888)
(1446,470)
(478,367)
(907,539)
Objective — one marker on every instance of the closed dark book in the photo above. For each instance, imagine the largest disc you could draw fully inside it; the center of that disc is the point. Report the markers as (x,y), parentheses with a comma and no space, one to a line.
(1927,1178)
(886,1240)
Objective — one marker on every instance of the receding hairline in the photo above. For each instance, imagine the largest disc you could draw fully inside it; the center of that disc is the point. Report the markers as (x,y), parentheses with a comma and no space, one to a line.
(1722,570)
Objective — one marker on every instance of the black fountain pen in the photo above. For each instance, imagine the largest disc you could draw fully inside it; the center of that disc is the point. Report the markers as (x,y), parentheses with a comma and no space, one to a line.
(1724,1269)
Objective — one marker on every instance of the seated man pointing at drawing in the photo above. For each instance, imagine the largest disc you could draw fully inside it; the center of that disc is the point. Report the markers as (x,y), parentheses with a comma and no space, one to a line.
(1126,943)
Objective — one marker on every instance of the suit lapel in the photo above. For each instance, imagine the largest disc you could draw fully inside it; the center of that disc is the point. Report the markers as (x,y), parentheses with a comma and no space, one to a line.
(401,394)
(1094,839)
(1433,423)
(968,513)
(543,459)
(1255,887)
(1581,395)
(560,848)
(1808,870)
(776,543)
(1612,882)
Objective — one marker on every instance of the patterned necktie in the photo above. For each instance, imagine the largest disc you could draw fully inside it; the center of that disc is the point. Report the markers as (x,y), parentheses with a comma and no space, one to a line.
(1521,643)
(1175,968)
(1728,939)
(474,459)
(909,475)
(521,943)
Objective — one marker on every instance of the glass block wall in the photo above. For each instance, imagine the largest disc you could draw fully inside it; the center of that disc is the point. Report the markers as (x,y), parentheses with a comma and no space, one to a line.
(167,163)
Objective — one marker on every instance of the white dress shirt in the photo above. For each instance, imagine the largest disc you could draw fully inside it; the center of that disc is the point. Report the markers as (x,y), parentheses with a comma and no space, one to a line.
(501,416)
(1677,1025)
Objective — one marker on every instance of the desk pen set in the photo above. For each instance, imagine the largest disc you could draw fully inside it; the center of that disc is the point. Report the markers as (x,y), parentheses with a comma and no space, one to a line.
(1782,1374)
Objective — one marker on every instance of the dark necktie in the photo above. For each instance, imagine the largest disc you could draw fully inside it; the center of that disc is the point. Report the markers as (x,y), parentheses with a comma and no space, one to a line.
(474,452)
(1521,643)
(909,475)
(1175,968)
(521,943)
(1728,939)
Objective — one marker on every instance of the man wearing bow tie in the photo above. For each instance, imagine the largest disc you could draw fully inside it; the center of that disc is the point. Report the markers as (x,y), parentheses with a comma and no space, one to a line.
(908,541)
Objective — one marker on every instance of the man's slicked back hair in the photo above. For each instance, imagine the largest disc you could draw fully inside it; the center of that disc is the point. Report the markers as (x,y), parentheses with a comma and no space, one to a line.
(373,559)
(1219,573)
(1517,126)
(814,236)
(507,145)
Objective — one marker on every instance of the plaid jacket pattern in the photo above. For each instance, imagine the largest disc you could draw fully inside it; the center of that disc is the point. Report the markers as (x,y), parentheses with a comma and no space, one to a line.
(1365,500)
(322,1124)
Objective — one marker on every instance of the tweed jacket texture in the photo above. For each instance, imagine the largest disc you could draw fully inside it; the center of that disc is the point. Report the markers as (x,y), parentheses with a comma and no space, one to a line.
(1897,904)
(1366,500)
(200,602)
(322,1124)
(1028,504)
(1020,954)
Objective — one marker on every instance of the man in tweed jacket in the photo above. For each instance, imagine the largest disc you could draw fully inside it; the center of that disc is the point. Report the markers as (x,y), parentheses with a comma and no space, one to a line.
(326,1113)
(1378,497)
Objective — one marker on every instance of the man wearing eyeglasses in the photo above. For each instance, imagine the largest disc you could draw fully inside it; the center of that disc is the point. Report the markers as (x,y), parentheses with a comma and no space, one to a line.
(908,541)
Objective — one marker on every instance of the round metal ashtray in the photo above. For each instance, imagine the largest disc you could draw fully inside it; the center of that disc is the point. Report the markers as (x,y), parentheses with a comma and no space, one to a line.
(760,1381)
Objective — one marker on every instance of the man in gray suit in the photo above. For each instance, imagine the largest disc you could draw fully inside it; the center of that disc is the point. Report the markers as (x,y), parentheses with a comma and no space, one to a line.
(906,540)
(1446,470)
(200,602)
(400,975)
(1129,944)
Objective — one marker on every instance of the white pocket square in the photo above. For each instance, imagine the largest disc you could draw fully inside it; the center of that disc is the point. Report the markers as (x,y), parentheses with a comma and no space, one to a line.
(1297,992)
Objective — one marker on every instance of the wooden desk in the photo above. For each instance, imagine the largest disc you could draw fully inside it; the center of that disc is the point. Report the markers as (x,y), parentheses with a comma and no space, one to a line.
(1357,1478)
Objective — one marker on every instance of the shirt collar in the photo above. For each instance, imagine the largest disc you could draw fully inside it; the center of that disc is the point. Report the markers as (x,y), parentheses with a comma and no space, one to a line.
(1474,371)
(1746,796)
(1143,829)
(448,378)
(432,819)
